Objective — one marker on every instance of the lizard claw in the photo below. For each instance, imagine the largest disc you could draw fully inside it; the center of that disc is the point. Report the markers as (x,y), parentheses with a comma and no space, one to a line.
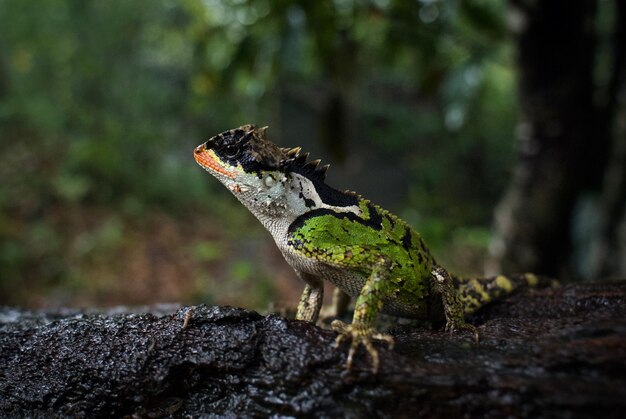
(360,334)
(453,326)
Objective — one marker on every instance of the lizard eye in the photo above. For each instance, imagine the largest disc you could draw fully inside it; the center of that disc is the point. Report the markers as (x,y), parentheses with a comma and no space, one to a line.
(231,151)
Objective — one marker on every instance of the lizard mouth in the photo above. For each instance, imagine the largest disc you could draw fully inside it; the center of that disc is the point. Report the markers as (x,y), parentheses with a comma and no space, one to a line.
(209,161)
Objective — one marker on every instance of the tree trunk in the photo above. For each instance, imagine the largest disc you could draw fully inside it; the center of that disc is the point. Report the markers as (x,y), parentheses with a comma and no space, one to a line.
(608,253)
(556,352)
(562,148)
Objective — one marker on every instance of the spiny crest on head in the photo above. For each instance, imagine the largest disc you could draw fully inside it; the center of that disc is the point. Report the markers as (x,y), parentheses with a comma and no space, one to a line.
(238,135)
(298,163)
(246,132)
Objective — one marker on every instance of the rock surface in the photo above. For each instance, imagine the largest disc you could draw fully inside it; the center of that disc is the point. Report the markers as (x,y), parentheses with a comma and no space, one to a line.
(543,353)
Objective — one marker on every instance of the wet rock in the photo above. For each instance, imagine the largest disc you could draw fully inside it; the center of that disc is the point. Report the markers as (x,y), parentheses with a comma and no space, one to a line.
(543,353)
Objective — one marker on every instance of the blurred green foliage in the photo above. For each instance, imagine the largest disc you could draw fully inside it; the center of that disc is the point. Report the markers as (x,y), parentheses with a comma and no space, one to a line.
(102,101)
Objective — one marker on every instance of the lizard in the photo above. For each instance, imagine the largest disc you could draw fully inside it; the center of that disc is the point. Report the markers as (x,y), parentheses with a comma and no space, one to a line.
(325,234)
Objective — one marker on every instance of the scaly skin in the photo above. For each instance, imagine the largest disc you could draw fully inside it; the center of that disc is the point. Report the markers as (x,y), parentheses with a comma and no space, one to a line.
(368,253)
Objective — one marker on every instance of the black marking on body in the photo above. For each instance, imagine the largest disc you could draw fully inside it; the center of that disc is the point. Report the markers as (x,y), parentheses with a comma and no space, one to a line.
(299,222)
(333,197)
(328,195)
(309,203)
(375,218)
(407,239)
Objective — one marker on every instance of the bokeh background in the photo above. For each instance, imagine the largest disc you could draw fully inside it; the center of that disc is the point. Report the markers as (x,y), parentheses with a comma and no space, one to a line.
(495,128)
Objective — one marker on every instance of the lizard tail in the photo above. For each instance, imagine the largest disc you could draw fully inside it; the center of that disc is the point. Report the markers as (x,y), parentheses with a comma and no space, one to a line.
(476,292)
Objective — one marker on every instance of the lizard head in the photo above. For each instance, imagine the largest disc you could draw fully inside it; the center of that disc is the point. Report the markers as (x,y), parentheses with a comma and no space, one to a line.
(262,175)
(238,154)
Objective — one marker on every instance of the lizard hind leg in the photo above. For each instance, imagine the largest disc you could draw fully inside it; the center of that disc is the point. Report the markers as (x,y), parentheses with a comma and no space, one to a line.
(453,306)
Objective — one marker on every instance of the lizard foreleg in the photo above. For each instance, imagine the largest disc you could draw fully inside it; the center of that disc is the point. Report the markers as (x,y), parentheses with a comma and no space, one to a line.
(368,305)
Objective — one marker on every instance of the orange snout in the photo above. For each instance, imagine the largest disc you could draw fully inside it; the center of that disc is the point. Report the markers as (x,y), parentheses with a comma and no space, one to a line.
(207,159)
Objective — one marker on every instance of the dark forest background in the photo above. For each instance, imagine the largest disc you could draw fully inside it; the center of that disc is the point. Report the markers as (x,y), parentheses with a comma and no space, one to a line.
(498,130)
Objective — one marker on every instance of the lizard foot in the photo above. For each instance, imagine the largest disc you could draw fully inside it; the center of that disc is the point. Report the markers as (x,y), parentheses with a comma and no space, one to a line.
(360,334)
(458,325)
